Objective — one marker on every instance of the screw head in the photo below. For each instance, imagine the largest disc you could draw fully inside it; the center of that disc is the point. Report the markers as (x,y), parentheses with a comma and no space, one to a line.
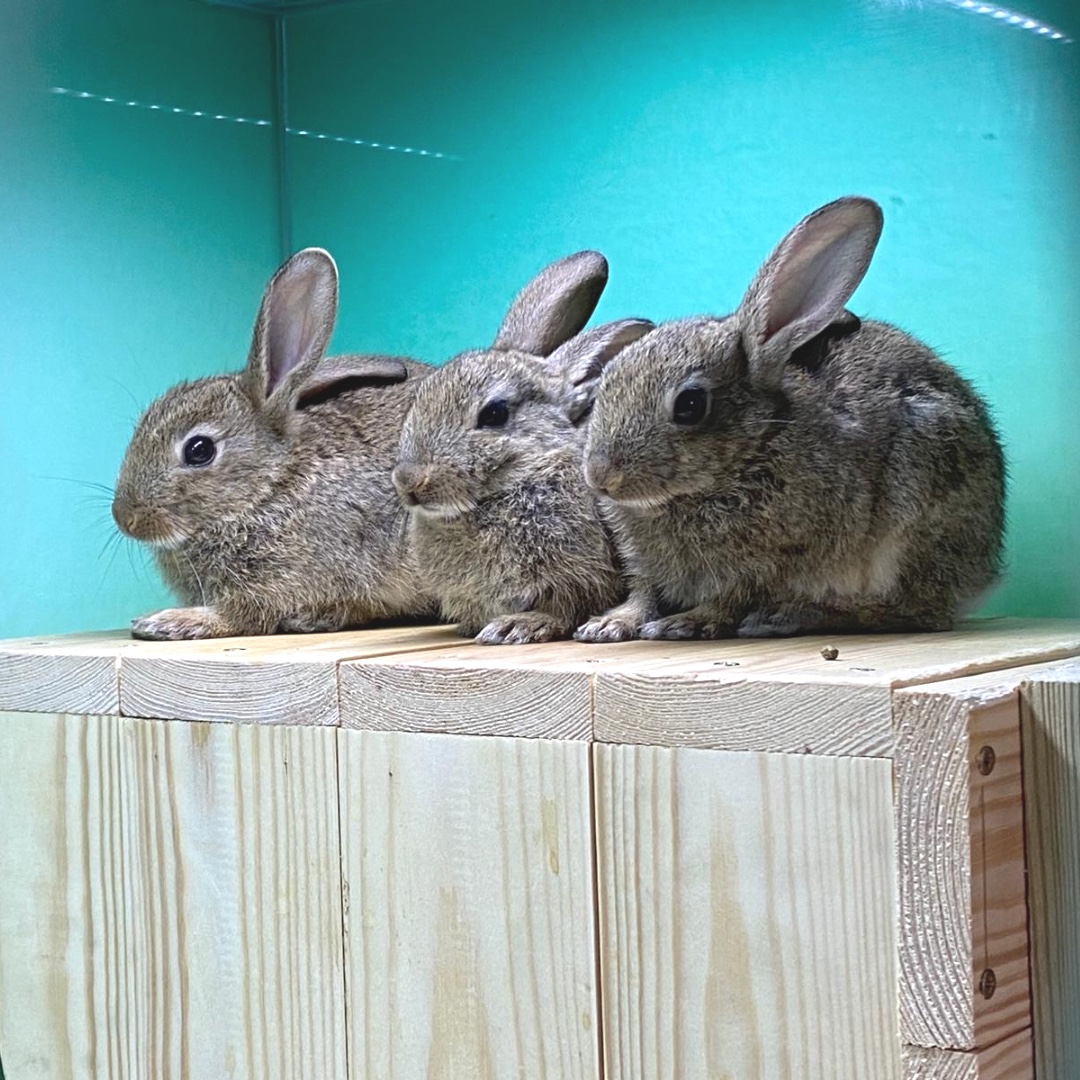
(986,760)
(987,983)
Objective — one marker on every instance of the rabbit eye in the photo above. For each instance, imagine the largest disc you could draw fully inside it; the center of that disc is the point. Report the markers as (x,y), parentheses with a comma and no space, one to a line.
(691,406)
(493,414)
(199,450)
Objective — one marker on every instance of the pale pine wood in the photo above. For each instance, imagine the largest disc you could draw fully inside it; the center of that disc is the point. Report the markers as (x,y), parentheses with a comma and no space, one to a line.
(960,848)
(1010,1059)
(782,695)
(170,901)
(747,915)
(77,673)
(769,695)
(470,930)
(1051,731)
(444,696)
(275,679)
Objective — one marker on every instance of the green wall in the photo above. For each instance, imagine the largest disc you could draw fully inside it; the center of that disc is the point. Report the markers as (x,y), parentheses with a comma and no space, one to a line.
(680,137)
(134,245)
(683,138)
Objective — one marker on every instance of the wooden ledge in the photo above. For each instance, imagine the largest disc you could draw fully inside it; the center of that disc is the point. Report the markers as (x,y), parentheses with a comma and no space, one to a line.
(769,695)
(772,695)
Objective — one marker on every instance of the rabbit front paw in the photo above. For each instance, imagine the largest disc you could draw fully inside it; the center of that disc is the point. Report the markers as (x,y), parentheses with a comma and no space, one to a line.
(608,628)
(179,624)
(695,623)
(779,622)
(312,623)
(522,628)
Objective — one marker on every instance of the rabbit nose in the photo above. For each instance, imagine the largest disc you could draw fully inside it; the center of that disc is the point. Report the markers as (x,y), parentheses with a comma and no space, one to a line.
(410,481)
(125,515)
(601,477)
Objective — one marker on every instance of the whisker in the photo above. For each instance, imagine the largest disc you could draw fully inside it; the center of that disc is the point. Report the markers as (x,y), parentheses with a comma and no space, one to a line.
(94,485)
(198,580)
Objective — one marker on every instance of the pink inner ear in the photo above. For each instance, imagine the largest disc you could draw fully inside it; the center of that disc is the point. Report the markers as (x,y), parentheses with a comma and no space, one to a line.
(798,289)
(291,328)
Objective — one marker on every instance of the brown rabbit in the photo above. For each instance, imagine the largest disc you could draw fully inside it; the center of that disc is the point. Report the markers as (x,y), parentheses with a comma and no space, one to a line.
(265,494)
(505,532)
(790,468)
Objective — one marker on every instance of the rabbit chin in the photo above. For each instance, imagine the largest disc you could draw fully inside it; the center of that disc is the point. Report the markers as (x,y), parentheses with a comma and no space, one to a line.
(434,512)
(168,543)
(641,504)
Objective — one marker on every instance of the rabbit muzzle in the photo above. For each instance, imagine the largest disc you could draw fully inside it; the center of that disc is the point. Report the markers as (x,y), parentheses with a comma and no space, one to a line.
(431,490)
(145,523)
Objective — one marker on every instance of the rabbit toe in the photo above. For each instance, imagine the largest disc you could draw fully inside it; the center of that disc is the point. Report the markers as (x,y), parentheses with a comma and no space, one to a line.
(684,627)
(606,629)
(527,628)
(176,624)
(761,624)
(311,623)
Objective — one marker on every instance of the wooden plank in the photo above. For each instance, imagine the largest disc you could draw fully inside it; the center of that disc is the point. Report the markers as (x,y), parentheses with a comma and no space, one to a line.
(960,836)
(76,673)
(470,929)
(1010,1059)
(782,695)
(259,680)
(771,695)
(169,900)
(747,915)
(1051,736)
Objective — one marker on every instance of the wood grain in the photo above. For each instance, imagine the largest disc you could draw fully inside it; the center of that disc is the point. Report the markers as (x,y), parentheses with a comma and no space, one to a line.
(169,900)
(1051,735)
(747,915)
(961,867)
(1010,1059)
(77,673)
(265,680)
(782,695)
(470,930)
(437,695)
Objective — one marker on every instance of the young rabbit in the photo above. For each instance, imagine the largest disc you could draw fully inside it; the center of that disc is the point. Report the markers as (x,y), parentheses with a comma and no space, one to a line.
(265,494)
(503,527)
(790,468)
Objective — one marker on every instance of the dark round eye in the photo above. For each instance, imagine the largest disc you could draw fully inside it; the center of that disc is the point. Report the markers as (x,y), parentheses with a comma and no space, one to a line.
(199,450)
(493,414)
(691,406)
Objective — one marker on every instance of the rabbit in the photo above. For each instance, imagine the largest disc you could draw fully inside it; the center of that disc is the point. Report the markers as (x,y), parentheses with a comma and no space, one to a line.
(791,468)
(265,494)
(503,527)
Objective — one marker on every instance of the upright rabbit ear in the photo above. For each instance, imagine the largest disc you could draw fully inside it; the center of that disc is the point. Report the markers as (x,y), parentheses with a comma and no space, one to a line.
(805,283)
(578,365)
(555,305)
(293,329)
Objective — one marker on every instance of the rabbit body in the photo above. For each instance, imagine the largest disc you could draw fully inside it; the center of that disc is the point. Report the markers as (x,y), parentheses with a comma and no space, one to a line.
(504,529)
(293,525)
(844,478)
(530,558)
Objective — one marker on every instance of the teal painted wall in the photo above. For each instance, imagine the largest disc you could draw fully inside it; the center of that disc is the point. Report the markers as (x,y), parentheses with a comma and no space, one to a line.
(680,137)
(134,245)
(683,138)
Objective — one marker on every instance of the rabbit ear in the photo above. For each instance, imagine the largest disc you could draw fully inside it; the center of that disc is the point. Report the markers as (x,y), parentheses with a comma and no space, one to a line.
(293,329)
(578,365)
(555,305)
(335,374)
(805,283)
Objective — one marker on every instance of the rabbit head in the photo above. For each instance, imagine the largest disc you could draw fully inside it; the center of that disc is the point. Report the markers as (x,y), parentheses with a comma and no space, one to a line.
(715,383)
(481,422)
(207,451)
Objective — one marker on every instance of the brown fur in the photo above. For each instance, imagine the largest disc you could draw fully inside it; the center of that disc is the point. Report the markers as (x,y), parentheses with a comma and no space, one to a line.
(843,478)
(504,529)
(294,526)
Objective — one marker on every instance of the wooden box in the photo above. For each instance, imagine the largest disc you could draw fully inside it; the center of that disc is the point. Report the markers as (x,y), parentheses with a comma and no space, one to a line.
(393,855)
